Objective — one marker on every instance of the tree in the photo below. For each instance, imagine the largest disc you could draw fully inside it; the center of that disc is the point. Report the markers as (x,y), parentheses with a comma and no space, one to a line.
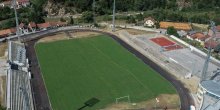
(131,19)
(62,19)
(172,31)
(87,17)
(71,20)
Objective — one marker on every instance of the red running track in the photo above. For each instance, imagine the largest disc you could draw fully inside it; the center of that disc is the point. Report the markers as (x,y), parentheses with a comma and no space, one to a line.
(162,41)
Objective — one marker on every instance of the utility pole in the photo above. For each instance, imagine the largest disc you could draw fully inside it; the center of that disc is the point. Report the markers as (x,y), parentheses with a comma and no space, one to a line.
(16,19)
(205,68)
(113,18)
(94,11)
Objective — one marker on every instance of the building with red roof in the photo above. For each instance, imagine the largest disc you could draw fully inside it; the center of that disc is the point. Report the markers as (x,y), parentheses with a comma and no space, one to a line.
(32,26)
(7,32)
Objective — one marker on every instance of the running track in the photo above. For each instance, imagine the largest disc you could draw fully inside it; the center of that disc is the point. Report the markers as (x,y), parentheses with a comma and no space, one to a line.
(41,99)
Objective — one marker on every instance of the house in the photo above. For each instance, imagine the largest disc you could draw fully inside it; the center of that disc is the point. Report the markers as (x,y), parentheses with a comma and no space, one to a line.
(218,28)
(211,43)
(149,22)
(7,3)
(23,3)
(19,3)
(216,36)
(198,36)
(23,28)
(48,25)
(7,32)
(32,26)
(44,26)
(178,26)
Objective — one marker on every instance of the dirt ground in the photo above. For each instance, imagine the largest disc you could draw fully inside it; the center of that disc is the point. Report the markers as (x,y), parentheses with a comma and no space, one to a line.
(54,37)
(84,34)
(67,35)
(165,100)
(191,84)
(137,32)
(2,89)
(3,47)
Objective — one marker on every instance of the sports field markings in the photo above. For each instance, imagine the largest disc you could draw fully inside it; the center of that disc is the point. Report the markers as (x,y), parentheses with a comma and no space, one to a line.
(131,73)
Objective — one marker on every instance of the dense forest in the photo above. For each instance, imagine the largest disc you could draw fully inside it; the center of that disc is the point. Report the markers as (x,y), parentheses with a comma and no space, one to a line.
(197,11)
(141,5)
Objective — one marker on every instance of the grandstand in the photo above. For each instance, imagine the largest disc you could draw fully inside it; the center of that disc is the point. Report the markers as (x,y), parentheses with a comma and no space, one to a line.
(208,94)
(19,92)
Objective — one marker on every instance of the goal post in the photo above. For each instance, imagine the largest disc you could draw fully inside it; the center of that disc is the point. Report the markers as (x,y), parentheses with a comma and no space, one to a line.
(124,98)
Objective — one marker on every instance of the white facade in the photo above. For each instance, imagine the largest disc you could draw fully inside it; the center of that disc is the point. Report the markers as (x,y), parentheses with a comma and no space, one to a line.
(149,23)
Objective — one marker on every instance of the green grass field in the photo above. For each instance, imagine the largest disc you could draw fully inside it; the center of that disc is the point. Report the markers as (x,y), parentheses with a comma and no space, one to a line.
(77,70)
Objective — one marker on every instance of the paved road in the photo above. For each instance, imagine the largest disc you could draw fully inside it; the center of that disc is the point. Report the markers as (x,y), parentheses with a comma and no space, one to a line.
(40,93)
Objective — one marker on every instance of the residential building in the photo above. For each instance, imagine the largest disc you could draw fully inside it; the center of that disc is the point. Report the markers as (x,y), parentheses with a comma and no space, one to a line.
(198,36)
(149,22)
(7,32)
(19,3)
(48,25)
(32,26)
(211,43)
(23,28)
(7,3)
(178,26)
(218,28)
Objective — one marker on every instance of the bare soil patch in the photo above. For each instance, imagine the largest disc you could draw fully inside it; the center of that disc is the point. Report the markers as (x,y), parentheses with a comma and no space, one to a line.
(137,32)
(67,35)
(54,37)
(84,34)
(171,102)
(191,84)
(3,47)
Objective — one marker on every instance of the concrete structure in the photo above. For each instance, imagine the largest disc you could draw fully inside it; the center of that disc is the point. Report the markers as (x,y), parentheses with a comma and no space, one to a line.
(208,94)
(19,91)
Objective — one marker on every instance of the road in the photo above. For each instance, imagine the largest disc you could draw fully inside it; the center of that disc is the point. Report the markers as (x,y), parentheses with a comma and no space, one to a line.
(39,90)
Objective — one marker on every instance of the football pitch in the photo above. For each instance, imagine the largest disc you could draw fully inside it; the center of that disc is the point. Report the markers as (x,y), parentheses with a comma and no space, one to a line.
(79,69)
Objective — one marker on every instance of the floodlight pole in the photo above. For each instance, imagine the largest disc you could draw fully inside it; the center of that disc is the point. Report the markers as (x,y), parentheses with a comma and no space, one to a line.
(113,18)
(205,67)
(94,11)
(16,19)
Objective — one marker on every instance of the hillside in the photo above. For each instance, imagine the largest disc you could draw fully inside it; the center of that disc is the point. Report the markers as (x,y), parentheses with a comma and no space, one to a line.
(104,6)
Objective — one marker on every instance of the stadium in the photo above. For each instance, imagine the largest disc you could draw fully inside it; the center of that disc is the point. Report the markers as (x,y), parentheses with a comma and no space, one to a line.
(65,74)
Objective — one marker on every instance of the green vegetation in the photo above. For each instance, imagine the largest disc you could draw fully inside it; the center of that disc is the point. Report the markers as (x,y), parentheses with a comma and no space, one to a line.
(172,31)
(33,13)
(77,70)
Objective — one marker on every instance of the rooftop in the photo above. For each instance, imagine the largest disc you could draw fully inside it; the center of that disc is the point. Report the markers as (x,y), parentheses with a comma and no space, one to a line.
(212,87)
(149,18)
(6,32)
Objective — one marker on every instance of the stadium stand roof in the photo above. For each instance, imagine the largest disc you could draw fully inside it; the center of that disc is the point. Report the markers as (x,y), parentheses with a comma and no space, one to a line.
(212,87)
(215,106)
(179,26)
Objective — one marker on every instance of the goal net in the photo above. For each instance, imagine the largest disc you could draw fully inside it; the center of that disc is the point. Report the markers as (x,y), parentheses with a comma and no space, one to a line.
(123,99)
